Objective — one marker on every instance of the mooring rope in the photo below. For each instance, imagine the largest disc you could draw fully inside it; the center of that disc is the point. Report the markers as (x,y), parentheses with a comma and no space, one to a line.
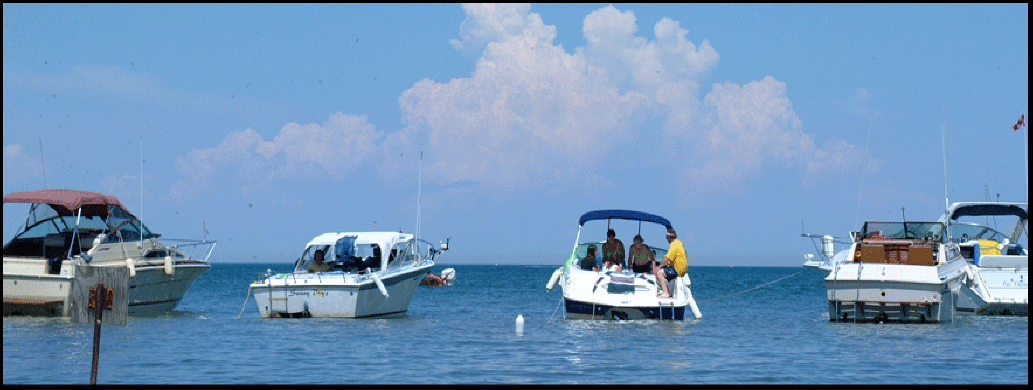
(754,288)
(246,298)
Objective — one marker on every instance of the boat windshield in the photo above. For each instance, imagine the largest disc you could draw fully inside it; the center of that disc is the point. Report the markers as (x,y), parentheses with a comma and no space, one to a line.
(43,220)
(904,230)
(962,232)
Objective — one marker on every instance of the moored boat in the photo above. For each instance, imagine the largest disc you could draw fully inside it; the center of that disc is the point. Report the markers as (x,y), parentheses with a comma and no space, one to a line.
(66,228)
(348,275)
(892,272)
(997,274)
(620,295)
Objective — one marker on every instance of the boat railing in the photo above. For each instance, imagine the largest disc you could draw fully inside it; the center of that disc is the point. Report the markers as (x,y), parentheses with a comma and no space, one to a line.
(196,246)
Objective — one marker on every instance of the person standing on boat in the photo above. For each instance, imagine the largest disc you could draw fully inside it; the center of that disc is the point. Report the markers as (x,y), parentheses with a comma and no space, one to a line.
(640,258)
(613,250)
(318,265)
(674,264)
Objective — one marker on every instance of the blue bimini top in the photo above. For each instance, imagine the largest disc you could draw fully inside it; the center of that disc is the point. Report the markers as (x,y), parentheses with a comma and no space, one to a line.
(623,214)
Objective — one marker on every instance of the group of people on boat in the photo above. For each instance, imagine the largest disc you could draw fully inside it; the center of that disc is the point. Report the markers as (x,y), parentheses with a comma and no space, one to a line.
(639,257)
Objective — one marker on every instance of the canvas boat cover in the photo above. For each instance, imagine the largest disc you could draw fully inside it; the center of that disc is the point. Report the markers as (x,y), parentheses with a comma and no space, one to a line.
(66,202)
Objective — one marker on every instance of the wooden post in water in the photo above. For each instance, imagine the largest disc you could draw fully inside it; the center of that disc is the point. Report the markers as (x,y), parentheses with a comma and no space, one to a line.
(94,291)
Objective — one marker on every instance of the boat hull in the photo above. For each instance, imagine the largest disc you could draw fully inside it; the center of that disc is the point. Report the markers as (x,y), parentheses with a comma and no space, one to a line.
(892,293)
(28,290)
(337,295)
(36,295)
(623,296)
(581,310)
(996,290)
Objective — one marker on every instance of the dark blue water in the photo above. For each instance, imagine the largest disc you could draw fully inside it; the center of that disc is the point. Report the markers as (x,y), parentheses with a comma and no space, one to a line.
(465,333)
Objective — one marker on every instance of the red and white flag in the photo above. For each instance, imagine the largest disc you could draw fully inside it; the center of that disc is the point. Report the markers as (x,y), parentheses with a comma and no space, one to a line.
(1021,123)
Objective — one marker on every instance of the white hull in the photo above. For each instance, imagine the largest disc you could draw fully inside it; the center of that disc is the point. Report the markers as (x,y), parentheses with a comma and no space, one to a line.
(29,290)
(998,290)
(337,294)
(867,292)
(594,295)
(35,293)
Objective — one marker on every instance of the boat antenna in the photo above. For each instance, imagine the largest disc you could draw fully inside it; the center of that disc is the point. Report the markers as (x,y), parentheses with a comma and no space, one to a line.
(140,216)
(419,188)
(860,190)
(943,137)
(41,162)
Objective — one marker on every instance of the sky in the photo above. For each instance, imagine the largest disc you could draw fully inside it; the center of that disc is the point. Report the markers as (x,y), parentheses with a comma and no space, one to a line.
(500,125)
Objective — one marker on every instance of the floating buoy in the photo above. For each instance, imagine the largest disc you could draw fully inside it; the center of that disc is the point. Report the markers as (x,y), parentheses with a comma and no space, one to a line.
(520,324)
(380,285)
(131,266)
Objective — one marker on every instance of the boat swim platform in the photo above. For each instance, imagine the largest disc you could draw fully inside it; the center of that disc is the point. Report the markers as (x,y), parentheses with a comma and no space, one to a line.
(884,312)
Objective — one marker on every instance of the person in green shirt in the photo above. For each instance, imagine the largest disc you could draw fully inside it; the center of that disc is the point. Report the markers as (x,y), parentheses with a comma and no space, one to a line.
(673,265)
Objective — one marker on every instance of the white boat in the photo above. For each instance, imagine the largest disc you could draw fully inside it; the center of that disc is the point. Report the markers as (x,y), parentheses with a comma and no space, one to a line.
(626,295)
(65,228)
(369,274)
(997,275)
(892,272)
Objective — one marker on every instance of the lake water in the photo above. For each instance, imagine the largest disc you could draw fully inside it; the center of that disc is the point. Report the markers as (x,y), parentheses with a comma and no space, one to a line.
(465,333)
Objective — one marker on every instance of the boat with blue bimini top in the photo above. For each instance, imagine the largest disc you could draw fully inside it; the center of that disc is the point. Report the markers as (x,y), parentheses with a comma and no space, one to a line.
(349,275)
(68,228)
(594,290)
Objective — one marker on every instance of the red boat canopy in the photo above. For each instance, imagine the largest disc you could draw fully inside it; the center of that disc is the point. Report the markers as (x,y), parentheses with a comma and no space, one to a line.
(66,202)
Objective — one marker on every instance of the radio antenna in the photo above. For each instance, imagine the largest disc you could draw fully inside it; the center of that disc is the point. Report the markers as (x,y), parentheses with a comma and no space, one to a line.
(41,162)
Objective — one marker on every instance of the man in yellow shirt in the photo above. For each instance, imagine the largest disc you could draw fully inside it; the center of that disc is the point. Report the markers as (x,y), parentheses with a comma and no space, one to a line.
(674,264)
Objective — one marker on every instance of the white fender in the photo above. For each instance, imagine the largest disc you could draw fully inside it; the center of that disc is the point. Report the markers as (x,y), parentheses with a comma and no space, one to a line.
(688,296)
(131,266)
(169,265)
(555,279)
(380,285)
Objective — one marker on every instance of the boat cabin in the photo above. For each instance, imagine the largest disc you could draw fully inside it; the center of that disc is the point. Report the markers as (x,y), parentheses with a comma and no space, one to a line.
(910,243)
(357,252)
(65,223)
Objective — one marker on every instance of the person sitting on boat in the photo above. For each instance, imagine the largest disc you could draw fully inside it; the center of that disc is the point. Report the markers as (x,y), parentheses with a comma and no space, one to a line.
(613,250)
(589,263)
(673,265)
(641,259)
(318,265)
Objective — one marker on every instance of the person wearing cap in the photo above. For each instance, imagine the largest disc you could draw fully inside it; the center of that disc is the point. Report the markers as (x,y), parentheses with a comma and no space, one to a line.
(673,265)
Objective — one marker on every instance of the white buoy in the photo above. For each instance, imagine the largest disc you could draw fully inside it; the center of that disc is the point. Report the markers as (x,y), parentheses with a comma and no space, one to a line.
(131,266)
(169,268)
(555,279)
(520,324)
(380,285)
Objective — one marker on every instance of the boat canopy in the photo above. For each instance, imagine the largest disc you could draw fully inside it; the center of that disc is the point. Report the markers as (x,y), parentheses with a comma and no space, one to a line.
(979,209)
(66,202)
(623,214)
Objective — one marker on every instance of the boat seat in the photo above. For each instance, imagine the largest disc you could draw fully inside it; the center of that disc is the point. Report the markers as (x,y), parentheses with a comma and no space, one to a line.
(1000,261)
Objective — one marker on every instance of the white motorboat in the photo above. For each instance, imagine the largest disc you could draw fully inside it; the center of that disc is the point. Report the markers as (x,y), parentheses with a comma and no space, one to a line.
(367,274)
(625,295)
(997,275)
(65,228)
(892,272)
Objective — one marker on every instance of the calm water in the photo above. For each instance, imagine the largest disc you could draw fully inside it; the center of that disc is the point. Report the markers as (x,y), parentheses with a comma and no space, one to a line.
(465,334)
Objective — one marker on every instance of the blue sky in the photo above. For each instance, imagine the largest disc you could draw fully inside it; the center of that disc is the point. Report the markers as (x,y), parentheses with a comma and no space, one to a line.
(740,123)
